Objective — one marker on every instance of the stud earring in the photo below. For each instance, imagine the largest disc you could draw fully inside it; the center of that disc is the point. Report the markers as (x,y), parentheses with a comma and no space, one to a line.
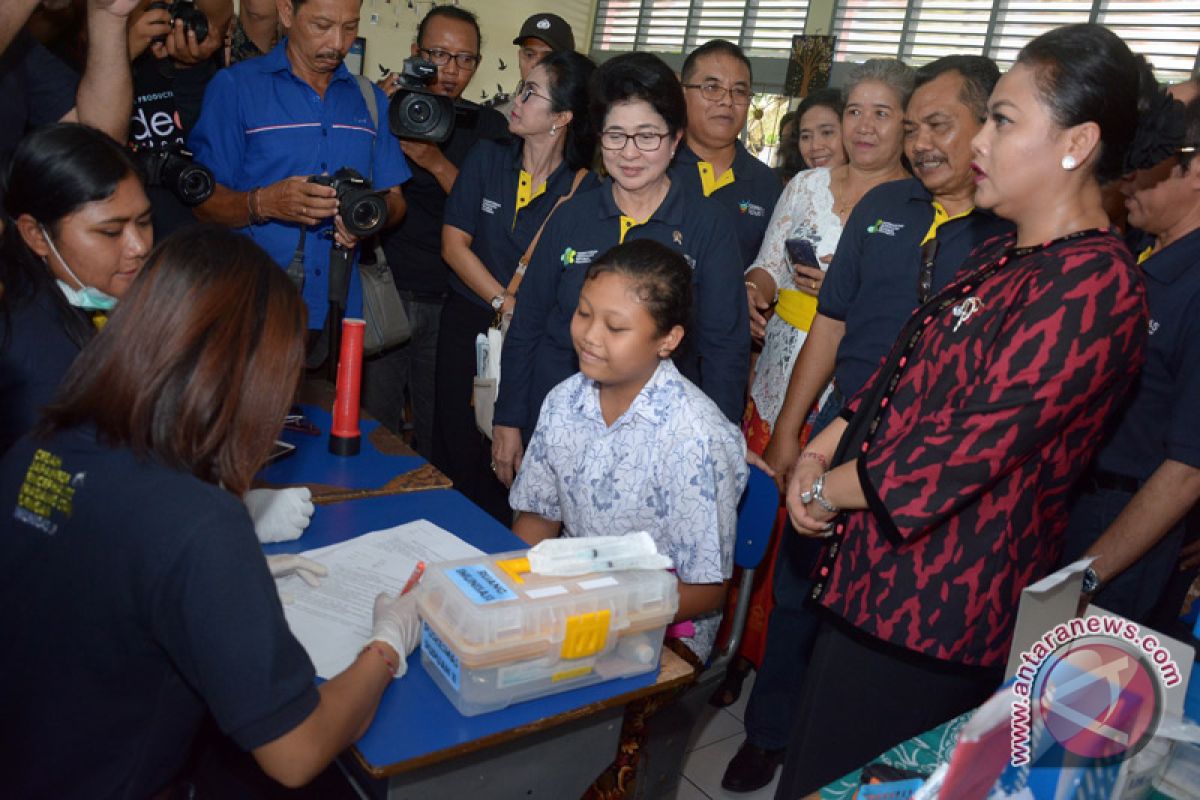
(553,129)
(1069,163)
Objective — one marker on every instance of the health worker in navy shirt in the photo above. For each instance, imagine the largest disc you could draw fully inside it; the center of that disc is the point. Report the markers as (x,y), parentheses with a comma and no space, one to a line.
(269,124)
(77,229)
(717,86)
(143,603)
(639,107)
(1131,507)
(503,196)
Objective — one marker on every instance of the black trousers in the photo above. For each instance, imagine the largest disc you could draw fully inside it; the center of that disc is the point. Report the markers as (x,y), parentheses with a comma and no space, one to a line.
(862,696)
(459,449)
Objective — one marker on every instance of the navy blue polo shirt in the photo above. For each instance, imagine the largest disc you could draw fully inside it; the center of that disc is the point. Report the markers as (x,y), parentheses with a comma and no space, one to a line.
(715,354)
(871,284)
(142,603)
(749,199)
(483,205)
(260,123)
(1161,421)
(36,350)
(414,245)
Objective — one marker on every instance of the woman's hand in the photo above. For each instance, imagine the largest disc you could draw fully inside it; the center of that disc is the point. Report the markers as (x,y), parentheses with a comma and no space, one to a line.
(781,454)
(507,451)
(810,519)
(760,312)
(809,278)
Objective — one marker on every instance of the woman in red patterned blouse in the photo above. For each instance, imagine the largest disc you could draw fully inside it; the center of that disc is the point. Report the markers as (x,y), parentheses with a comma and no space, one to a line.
(950,471)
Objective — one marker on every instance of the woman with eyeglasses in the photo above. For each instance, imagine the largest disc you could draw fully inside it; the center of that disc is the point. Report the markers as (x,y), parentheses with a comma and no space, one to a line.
(504,193)
(639,108)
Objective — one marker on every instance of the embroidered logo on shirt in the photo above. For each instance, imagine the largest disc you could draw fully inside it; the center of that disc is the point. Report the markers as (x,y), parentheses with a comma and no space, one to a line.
(1153,327)
(886,228)
(754,210)
(489,206)
(47,489)
(571,256)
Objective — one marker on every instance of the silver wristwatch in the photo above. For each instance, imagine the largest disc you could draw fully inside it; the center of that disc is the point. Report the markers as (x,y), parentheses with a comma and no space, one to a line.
(497,302)
(1091,581)
(817,493)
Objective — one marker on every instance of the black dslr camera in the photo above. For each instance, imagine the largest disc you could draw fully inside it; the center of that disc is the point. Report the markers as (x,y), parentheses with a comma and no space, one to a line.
(416,113)
(362,209)
(174,168)
(193,18)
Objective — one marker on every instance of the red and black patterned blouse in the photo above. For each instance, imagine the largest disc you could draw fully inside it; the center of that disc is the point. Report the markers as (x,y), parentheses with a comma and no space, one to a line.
(992,402)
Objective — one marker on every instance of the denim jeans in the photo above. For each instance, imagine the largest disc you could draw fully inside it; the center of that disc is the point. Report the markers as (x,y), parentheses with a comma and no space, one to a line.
(407,372)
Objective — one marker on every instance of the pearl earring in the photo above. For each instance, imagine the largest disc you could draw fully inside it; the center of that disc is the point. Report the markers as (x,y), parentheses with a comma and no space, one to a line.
(553,129)
(1069,163)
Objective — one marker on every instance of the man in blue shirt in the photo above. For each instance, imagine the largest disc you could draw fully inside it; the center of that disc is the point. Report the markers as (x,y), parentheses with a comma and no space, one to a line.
(269,124)
(1131,508)
(903,242)
(711,160)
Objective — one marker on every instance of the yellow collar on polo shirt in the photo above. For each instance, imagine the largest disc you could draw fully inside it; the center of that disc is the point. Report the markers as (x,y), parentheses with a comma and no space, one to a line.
(709,182)
(526,193)
(940,217)
(1142,256)
(626,224)
(99,319)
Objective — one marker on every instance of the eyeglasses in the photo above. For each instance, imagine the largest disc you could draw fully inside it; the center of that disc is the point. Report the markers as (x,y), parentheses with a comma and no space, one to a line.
(525,91)
(929,252)
(467,61)
(1186,154)
(715,93)
(646,141)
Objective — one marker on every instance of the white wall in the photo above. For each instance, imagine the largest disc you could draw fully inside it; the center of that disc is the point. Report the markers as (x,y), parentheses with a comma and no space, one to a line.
(389,40)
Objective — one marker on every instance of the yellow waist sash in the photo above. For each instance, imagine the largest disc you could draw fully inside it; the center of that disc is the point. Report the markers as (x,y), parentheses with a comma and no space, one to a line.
(796,308)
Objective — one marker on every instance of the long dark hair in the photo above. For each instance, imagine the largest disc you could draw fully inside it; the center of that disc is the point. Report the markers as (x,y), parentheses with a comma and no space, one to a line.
(198,364)
(54,171)
(569,74)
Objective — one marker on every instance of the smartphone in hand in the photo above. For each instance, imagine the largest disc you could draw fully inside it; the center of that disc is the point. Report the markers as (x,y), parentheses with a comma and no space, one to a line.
(801,251)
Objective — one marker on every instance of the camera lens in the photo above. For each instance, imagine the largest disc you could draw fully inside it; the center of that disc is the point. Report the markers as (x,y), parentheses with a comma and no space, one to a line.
(195,185)
(419,111)
(363,212)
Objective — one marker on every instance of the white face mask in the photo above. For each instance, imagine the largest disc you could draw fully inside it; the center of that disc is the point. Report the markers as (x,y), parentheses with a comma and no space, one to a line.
(86,297)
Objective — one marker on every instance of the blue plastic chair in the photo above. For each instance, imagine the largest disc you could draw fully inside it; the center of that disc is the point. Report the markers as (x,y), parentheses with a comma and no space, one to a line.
(674,726)
(756,517)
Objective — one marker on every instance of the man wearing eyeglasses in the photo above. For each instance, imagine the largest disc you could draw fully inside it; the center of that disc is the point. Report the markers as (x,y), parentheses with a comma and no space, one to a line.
(711,160)
(270,123)
(449,37)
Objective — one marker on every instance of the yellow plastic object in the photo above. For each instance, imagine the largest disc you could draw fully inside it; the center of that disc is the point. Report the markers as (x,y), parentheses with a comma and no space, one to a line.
(568,674)
(515,567)
(586,634)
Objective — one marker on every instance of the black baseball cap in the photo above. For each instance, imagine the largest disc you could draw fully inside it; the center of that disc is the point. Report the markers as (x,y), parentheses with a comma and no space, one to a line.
(550,28)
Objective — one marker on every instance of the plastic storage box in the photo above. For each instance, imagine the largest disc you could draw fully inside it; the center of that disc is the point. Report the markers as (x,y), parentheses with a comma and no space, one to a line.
(493,633)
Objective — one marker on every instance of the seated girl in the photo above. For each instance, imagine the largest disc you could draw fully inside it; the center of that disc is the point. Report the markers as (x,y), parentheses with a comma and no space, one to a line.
(629,444)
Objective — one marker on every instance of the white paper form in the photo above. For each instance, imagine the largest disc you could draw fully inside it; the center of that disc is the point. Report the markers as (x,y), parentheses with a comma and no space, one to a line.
(333,620)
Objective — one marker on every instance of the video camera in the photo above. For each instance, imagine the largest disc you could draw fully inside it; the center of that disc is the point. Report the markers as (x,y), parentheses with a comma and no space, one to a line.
(193,18)
(174,168)
(417,114)
(362,209)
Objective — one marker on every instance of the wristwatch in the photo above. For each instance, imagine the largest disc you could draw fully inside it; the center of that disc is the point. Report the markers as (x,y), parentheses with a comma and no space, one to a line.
(817,493)
(1091,581)
(497,302)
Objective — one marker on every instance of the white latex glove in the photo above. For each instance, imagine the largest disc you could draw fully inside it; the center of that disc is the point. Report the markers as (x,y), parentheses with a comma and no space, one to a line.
(280,515)
(308,570)
(396,624)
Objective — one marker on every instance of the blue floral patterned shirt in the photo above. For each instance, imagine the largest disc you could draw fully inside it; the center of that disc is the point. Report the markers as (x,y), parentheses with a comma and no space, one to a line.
(672,465)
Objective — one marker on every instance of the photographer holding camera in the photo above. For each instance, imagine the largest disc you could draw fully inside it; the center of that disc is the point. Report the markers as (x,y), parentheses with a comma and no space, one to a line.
(448,36)
(268,125)
(175,48)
